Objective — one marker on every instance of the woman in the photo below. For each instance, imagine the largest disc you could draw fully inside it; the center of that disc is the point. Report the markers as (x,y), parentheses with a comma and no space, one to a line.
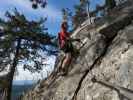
(65,46)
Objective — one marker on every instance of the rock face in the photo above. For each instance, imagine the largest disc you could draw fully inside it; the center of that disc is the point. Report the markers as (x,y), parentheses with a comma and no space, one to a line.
(104,68)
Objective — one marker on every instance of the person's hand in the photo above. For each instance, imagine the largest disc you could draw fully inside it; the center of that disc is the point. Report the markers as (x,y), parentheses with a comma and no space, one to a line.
(78,40)
(68,39)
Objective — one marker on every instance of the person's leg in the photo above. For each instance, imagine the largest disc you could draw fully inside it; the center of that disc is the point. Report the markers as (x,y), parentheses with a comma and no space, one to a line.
(66,61)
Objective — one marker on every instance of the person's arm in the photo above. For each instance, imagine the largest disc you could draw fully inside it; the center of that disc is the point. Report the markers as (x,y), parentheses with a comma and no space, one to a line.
(72,39)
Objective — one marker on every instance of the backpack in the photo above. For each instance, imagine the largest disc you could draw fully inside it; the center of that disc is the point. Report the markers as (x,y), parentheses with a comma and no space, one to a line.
(66,45)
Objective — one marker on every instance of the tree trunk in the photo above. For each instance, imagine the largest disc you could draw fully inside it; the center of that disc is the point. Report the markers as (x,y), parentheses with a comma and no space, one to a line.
(3,94)
(12,69)
(88,11)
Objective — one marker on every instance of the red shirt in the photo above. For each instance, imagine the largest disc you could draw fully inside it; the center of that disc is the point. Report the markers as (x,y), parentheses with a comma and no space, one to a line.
(62,38)
(64,35)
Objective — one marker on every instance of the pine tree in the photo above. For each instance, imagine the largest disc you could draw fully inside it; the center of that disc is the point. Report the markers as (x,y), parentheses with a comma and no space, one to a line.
(21,43)
(37,3)
(67,16)
(64,14)
(81,13)
(110,4)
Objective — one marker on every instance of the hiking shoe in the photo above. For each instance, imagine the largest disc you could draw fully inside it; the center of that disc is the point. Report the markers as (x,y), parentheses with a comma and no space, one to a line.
(63,72)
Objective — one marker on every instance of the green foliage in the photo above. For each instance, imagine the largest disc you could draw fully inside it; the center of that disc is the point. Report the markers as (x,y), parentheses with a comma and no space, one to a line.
(67,16)
(80,13)
(66,13)
(33,37)
(37,3)
(110,4)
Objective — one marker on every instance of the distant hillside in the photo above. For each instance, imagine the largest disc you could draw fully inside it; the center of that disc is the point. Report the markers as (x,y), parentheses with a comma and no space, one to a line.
(19,89)
(23,82)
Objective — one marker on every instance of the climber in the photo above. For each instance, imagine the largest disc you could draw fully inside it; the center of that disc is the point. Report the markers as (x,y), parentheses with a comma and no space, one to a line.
(66,46)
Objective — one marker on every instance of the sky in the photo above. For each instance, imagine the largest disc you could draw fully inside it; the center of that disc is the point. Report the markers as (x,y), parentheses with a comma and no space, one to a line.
(52,12)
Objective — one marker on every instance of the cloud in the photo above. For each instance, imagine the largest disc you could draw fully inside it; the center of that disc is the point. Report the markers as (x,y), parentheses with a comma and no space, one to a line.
(52,12)
(26,75)
(1,14)
(25,7)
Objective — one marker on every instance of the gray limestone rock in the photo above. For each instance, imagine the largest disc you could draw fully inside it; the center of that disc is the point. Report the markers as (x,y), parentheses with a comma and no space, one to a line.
(107,56)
